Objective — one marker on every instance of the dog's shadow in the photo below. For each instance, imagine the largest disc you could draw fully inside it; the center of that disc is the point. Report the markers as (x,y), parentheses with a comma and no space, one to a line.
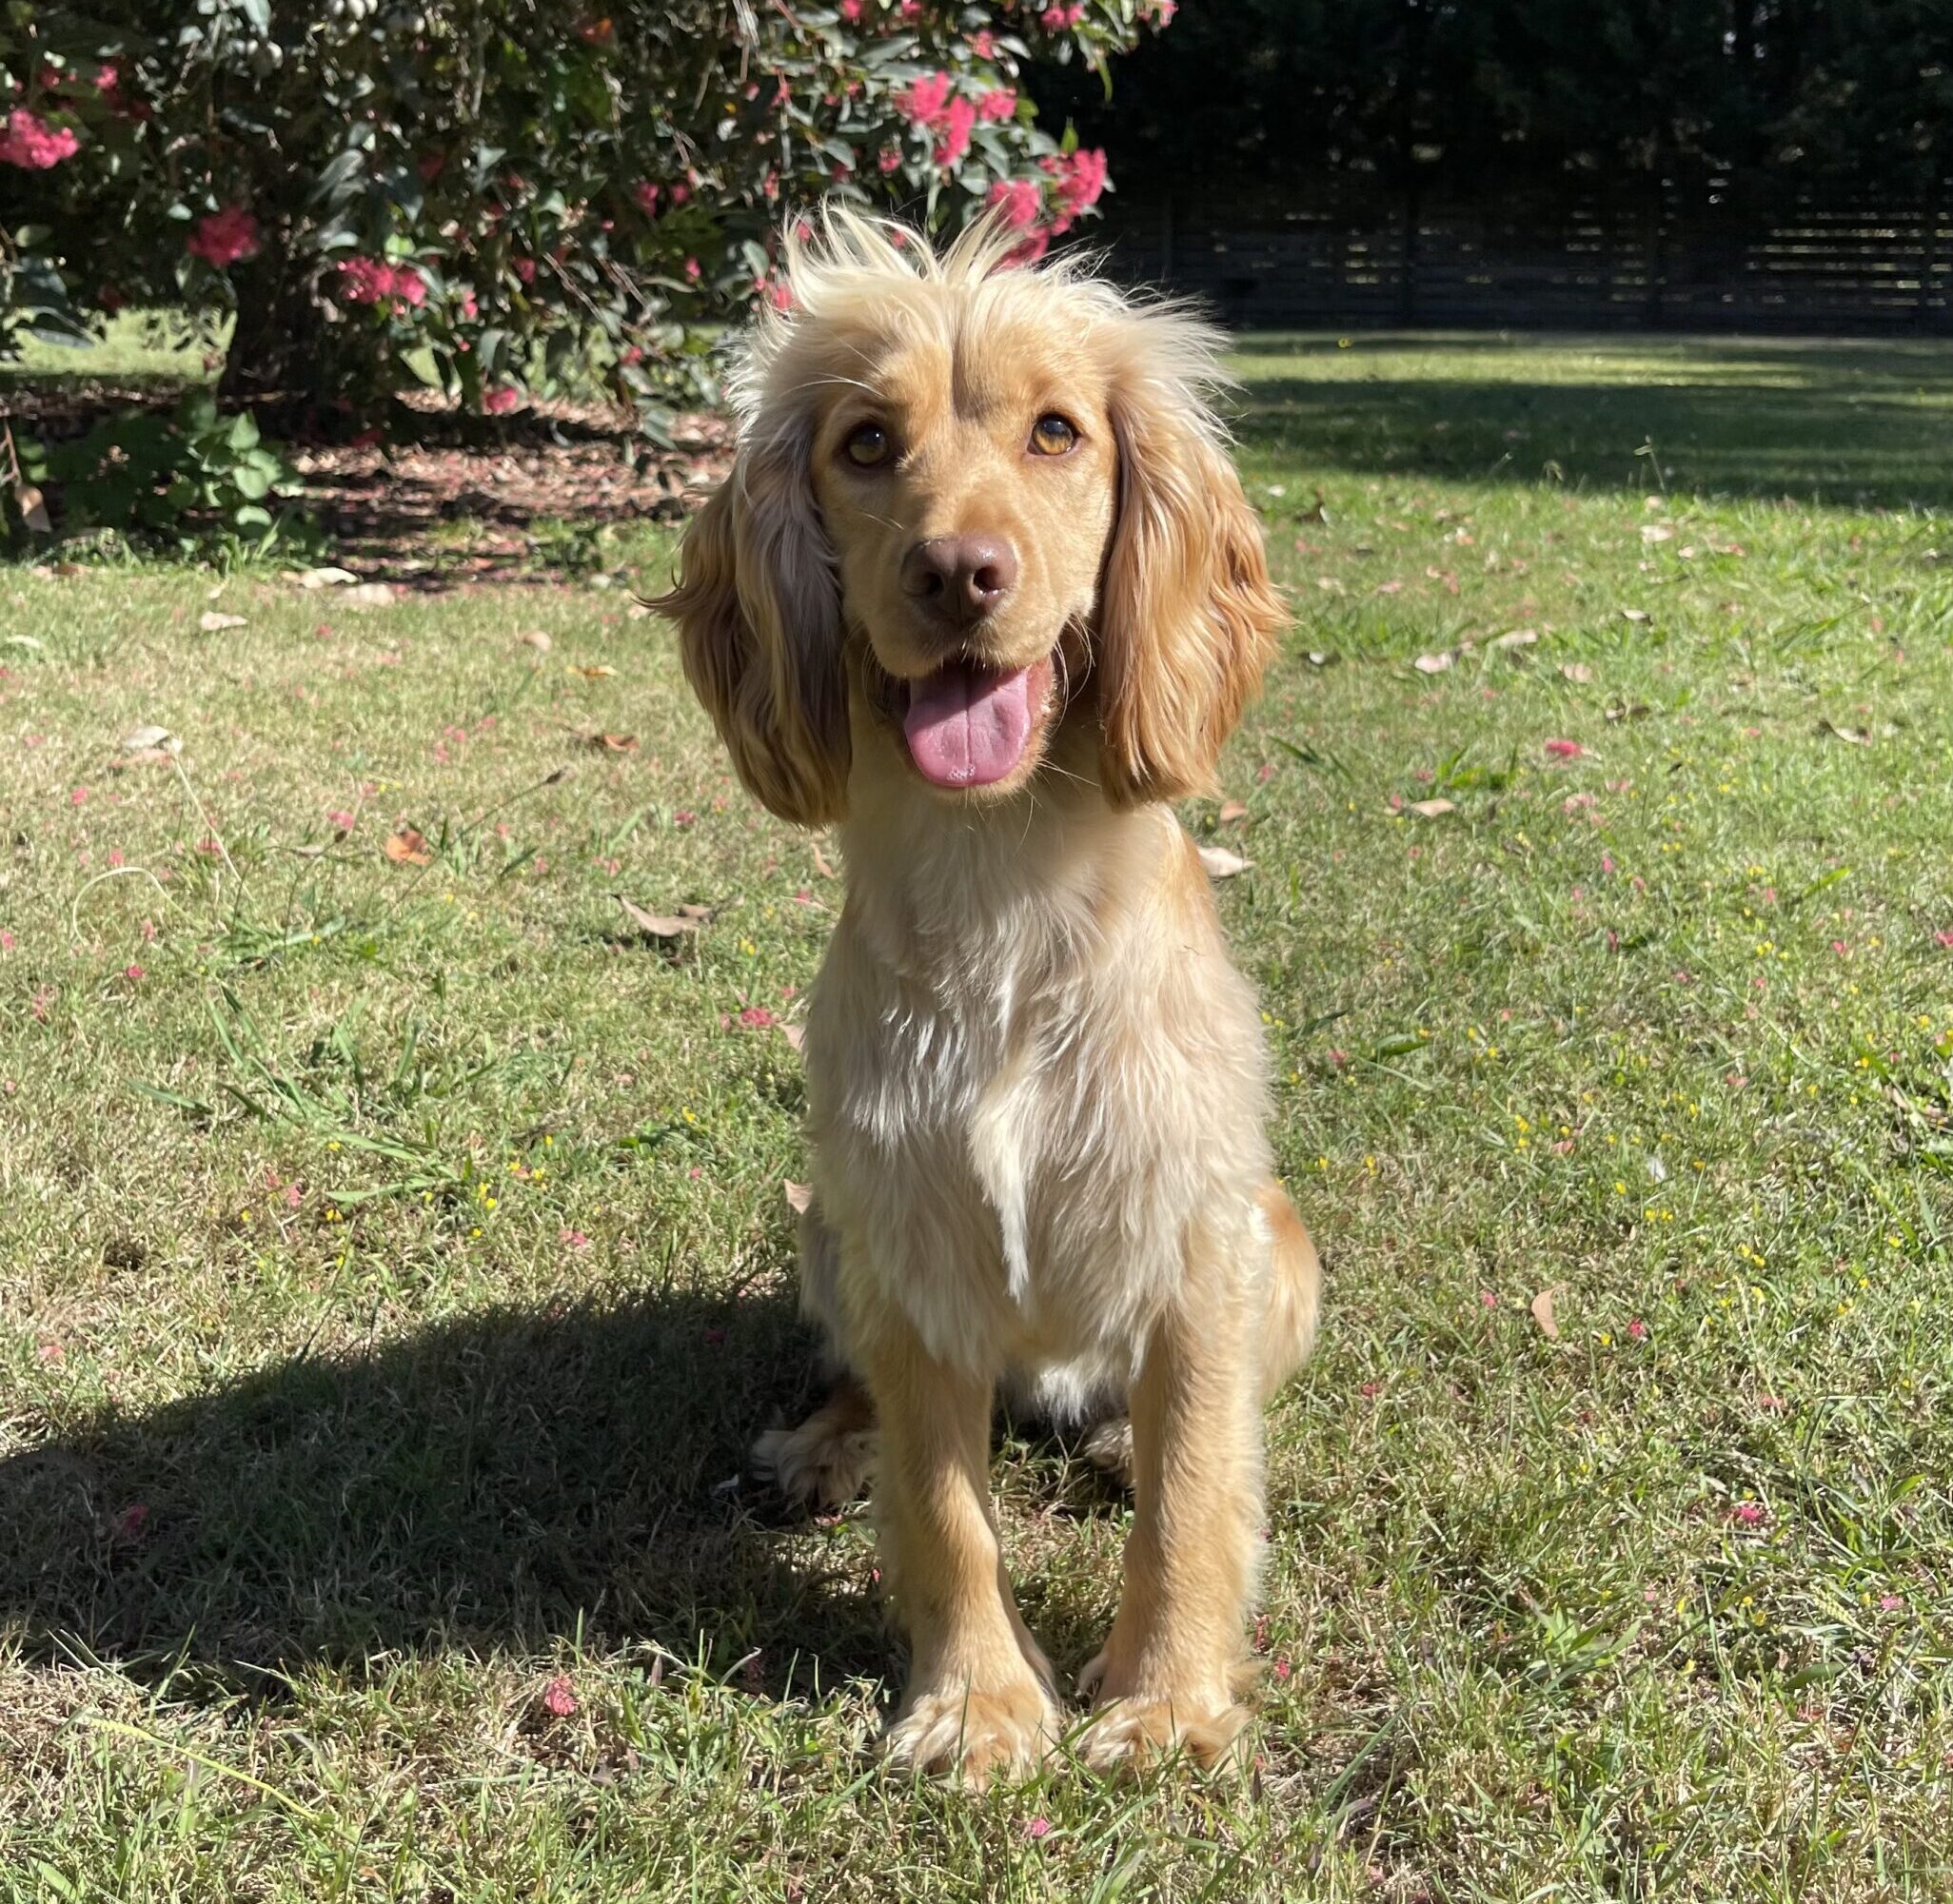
(496,1483)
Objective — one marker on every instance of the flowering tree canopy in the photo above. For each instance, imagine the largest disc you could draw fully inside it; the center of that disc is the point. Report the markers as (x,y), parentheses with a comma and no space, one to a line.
(491,196)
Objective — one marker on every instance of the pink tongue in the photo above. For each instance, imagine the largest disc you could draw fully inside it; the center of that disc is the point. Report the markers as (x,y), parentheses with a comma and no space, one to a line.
(968,728)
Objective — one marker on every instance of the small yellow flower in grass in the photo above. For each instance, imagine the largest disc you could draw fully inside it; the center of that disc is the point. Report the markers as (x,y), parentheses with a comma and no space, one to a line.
(333,1145)
(1620,1188)
(750,950)
(243,1216)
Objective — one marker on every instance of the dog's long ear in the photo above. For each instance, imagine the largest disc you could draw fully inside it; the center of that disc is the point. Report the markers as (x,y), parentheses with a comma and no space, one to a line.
(1187,615)
(758,609)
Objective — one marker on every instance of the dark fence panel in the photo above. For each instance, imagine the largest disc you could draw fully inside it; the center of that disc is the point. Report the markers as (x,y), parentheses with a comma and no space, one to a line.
(1688,258)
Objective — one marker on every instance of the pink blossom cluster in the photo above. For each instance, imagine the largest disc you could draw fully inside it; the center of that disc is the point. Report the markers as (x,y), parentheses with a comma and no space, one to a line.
(1080,177)
(370,281)
(648,196)
(1019,203)
(931,103)
(30,143)
(1057,19)
(224,237)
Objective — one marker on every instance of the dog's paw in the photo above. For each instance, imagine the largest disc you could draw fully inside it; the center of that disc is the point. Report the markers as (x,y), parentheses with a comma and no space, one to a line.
(1129,1728)
(821,1463)
(1128,1734)
(972,1736)
(1108,1448)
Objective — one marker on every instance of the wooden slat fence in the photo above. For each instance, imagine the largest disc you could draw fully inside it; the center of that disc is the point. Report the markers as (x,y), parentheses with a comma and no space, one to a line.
(1694,261)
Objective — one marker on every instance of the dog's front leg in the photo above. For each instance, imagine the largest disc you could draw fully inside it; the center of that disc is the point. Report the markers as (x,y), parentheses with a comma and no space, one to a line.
(978,1700)
(1167,1675)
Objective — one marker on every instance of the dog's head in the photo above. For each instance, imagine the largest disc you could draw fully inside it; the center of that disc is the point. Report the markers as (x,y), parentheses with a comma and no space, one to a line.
(972,504)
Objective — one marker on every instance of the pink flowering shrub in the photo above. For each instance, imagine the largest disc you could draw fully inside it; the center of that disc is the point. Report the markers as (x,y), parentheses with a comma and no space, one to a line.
(32,144)
(222,238)
(499,200)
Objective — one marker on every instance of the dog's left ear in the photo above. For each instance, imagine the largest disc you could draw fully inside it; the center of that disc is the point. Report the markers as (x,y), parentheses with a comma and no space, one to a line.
(1187,615)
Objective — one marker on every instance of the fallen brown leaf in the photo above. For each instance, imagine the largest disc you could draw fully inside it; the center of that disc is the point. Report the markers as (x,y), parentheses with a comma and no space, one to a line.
(664,925)
(1221,864)
(367,595)
(1233,811)
(1431,810)
(799,1196)
(1519,638)
(1630,711)
(1542,1308)
(821,865)
(795,1034)
(1852,736)
(150,739)
(211,620)
(328,577)
(408,848)
(596,674)
(1577,672)
(535,639)
(1433,664)
(33,509)
(614,743)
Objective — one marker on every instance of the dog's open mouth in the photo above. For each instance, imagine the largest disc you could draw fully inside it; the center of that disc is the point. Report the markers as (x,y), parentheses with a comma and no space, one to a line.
(971,726)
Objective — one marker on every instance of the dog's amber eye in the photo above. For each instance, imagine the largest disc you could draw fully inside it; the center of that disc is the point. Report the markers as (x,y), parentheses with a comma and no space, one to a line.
(867,445)
(1052,436)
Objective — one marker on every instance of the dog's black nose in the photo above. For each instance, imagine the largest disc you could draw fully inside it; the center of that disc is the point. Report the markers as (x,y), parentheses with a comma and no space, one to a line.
(959,578)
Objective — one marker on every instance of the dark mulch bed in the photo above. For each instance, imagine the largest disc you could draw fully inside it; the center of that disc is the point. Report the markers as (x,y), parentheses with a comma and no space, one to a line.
(536,490)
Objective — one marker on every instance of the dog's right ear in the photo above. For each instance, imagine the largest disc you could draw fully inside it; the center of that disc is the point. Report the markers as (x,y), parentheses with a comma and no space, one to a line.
(758,609)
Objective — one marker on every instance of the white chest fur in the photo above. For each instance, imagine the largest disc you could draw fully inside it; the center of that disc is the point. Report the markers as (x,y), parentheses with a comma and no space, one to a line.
(1031,1070)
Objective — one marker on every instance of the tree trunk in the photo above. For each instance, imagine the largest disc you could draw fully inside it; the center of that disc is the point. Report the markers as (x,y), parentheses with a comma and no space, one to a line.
(277,353)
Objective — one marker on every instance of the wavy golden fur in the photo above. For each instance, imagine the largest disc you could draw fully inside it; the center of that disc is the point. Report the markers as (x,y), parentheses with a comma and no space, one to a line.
(983,591)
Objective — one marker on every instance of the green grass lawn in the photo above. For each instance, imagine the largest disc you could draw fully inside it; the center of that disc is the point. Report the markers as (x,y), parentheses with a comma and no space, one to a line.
(397,1262)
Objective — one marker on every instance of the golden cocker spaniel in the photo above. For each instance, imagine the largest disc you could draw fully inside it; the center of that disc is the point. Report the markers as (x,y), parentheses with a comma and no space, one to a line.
(982,591)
